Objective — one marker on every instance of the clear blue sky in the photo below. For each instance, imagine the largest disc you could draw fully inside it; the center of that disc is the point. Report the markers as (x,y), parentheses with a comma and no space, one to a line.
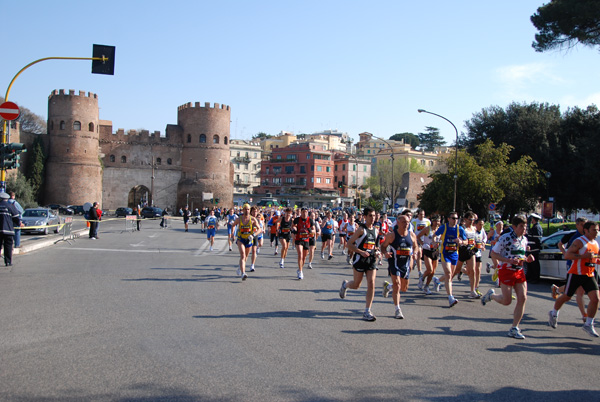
(300,66)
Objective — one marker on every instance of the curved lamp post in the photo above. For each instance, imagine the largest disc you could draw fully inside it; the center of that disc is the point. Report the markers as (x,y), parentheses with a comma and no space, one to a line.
(456,147)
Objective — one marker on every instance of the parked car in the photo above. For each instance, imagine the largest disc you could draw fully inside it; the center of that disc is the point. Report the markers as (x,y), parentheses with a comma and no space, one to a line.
(61,209)
(77,209)
(40,217)
(123,211)
(552,262)
(151,212)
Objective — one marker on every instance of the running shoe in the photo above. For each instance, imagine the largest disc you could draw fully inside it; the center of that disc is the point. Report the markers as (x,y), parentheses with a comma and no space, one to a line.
(211,249)
(368,316)
(478,292)
(348,258)
(229,248)
(399,314)
(281,264)
(459,277)
(310,265)
(552,319)
(276,251)
(555,292)
(239,272)
(473,295)
(380,262)
(258,250)
(488,267)
(452,301)
(426,290)
(244,276)
(495,275)
(420,284)
(515,332)
(300,274)
(590,330)
(584,319)
(386,290)
(330,257)
(344,252)
(343,290)
(488,296)
(252,268)
(322,256)
(436,284)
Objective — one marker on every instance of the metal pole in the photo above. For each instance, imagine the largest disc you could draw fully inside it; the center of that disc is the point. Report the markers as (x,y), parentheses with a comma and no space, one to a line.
(455,147)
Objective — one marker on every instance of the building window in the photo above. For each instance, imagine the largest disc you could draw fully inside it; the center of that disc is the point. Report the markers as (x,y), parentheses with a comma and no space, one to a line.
(62,124)
(335,168)
(307,156)
(302,169)
(354,168)
(202,139)
(215,139)
(319,168)
(266,170)
(289,180)
(123,159)
(225,140)
(423,162)
(328,168)
(91,127)
(112,158)
(289,169)
(318,180)
(343,167)
(158,161)
(255,155)
(327,180)
(278,157)
(189,138)
(169,161)
(364,168)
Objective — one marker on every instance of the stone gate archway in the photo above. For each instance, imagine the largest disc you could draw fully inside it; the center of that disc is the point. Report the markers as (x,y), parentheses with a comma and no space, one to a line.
(138,195)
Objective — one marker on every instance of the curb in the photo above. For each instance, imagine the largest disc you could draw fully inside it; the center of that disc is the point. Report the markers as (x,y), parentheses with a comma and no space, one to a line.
(24,249)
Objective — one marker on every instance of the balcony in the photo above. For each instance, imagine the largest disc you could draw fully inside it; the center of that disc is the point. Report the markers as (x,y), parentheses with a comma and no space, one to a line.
(241,183)
(241,159)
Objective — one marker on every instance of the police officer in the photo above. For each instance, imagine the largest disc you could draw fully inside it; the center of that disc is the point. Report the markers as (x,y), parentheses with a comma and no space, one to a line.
(9,218)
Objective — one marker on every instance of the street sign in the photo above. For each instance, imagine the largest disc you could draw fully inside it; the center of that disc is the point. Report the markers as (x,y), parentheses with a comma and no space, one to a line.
(396,206)
(9,111)
(492,206)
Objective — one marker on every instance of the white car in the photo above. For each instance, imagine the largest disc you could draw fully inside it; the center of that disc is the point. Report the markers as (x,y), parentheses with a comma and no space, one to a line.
(552,262)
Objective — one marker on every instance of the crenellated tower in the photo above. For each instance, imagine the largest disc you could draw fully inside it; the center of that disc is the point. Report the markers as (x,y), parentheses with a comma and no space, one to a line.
(205,159)
(73,169)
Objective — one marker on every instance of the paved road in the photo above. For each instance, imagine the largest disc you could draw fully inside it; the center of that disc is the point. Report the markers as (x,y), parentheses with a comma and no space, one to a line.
(153,315)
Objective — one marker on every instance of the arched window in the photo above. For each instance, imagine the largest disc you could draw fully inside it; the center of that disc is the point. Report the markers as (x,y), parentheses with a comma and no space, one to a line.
(77,126)
(123,159)
(158,161)
(169,161)
(215,139)
(62,124)
(202,139)
(112,158)
(225,140)
(91,127)
(189,138)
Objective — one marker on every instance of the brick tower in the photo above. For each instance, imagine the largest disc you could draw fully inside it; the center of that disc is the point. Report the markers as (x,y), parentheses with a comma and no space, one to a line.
(205,160)
(73,170)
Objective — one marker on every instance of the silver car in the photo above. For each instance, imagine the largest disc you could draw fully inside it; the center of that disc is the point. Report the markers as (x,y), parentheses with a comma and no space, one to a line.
(552,262)
(43,217)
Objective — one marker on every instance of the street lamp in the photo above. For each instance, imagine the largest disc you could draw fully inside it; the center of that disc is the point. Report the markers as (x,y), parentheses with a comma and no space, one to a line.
(392,157)
(456,147)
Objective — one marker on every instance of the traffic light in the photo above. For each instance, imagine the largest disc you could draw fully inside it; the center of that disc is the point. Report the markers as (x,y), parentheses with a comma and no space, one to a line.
(340,184)
(10,155)
(107,66)
(216,200)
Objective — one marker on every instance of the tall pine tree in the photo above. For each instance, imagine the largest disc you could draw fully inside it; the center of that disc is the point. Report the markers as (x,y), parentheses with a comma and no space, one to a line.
(431,139)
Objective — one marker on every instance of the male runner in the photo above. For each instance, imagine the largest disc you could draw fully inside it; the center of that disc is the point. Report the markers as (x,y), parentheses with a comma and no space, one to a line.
(211,224)
(510,251)
(248,228)
(363,244)
(303,228)
(231,217)
(452,236)
(419,223)
(285,233)
(327,235)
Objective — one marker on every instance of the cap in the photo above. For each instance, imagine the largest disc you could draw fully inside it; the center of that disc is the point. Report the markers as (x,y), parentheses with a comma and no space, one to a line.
(4,195)
(536,216)
(277,213)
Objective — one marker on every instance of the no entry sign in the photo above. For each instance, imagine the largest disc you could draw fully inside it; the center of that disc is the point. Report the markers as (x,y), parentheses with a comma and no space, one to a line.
(9,111)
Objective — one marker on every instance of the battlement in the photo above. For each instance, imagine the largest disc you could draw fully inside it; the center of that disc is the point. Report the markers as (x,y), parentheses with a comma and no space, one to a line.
(134,136)
(82,94)
(196,105)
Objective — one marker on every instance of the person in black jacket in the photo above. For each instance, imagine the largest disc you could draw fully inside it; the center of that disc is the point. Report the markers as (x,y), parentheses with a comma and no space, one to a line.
(9,217)
(535,243)
(93,218)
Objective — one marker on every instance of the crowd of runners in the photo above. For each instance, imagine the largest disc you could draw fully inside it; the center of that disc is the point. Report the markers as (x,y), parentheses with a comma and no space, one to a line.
(408,243)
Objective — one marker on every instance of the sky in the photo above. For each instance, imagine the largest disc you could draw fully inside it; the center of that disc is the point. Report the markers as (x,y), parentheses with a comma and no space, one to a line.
(301,66)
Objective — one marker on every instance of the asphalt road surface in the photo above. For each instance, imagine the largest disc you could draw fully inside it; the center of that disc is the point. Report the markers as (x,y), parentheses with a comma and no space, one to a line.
(155,316)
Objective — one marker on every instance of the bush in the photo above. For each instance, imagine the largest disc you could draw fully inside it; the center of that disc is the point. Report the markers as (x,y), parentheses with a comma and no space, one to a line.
(24,193)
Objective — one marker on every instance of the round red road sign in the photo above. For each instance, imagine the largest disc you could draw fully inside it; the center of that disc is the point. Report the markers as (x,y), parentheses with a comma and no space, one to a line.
(9,111)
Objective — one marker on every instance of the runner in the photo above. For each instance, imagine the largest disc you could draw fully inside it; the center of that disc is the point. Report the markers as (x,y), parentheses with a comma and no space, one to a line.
(383,227)
(363,245)
(257,238)
(303,229)
(480,241)
(402,248)
(419,223)
(452,236)
(248,227)
(466,253)
(312,240)
(343,234)
(431,252)
(273,227)
(231,217)
(285,233)
(493,236)
(584,253)
(211,224)
(327,233)
(510,251)
(349,227)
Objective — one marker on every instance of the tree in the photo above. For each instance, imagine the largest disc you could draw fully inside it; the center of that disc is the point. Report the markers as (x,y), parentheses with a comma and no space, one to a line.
(381,183)
(29,121)
(261,136)
(35,166)
(566,23)
(431,139)
(23,191)
(408,138)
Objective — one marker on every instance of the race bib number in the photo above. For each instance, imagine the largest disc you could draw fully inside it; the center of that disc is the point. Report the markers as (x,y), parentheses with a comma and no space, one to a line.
(211,226)
(285,230)
(450,247)
(480,245)
(403,251)
(369,245)
(471,242)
